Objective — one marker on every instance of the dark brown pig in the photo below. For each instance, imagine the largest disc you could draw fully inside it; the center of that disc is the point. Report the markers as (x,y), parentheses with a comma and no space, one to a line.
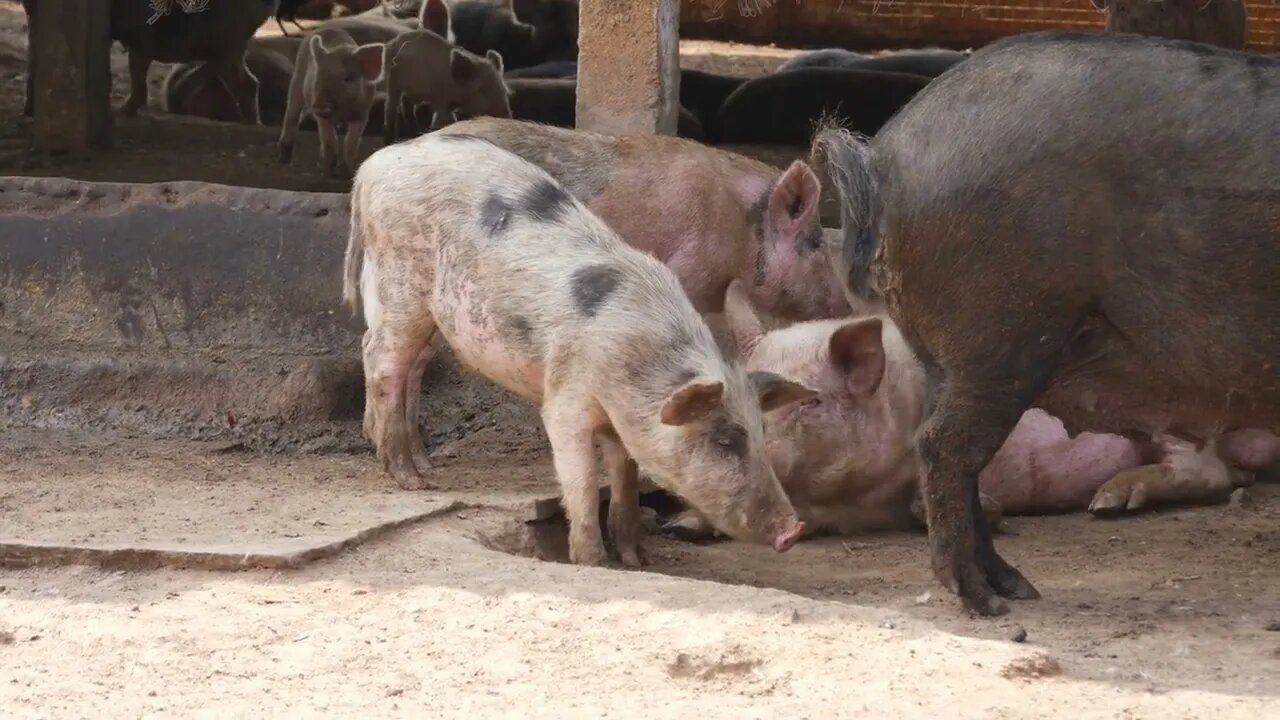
(216,34)
(785,108)
(925,62)
(554,102)
(192,88)
(1217,22)
(450,233)
(1100,244)
(710,215)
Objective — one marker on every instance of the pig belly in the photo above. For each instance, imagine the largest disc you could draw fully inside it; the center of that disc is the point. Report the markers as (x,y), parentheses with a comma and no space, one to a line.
(480,346)
(1250,449)
(1041,469)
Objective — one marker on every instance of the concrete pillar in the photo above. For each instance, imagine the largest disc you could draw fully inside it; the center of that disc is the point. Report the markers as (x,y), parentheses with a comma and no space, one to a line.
(72,47)
(628,66)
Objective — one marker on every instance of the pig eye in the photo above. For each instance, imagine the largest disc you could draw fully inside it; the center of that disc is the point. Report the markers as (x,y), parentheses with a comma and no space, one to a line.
(812,402)
(729,438)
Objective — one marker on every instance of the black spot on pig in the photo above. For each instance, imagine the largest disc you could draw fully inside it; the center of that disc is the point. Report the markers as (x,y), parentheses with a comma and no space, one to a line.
(521,332)
(494,212)
(545,201)
(729,437)
(592,285)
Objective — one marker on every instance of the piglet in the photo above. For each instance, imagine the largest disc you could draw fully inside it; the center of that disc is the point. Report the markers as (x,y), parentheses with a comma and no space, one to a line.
(333,81)
(422,67)
(451,233)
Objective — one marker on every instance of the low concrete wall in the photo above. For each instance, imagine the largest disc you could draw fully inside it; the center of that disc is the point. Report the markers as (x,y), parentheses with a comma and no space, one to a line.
(194,310)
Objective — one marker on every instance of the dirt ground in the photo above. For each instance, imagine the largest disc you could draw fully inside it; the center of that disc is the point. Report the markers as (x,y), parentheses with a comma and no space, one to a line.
(1171,614)
(1168,614)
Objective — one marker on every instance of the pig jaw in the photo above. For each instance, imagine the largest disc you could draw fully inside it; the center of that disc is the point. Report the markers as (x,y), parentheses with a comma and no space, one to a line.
(756,511)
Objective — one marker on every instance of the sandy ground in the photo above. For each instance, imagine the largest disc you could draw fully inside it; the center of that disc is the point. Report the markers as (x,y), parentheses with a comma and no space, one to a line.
(1171,614)
(1166,615)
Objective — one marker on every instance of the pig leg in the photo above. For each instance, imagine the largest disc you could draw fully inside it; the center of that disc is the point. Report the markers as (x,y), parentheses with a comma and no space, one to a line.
(991,509)
(391,115)
(624,502)
(329,148)
(967,426)
(389,354)
(351,147)
(242,86)
(1182,476)
(574,456)
(413,400)
(139,64)
(292,114)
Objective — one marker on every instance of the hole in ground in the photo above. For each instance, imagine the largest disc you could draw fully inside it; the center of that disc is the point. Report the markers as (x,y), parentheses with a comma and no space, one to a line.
(547,538)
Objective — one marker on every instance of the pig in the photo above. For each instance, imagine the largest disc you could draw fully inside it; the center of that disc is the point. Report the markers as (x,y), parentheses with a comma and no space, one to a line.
(784,108)
(554,102)
(532,32)
(1217,22)
(191,88)
(217,35)
(333,82)
(1101,295)
(845,456)
(550,70)
(529,288)
(423,68)
(925,62)
(710,215)
(703,93)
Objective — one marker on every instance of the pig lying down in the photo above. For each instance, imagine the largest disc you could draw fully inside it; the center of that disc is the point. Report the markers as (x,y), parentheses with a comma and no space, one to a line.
(450,233)
(845,456)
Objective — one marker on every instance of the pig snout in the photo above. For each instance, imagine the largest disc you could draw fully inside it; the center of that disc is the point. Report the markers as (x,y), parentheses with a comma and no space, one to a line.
(322,110)
(788,536)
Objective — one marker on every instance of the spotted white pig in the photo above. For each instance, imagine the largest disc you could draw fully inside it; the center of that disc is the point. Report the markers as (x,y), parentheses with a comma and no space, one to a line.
(451,233)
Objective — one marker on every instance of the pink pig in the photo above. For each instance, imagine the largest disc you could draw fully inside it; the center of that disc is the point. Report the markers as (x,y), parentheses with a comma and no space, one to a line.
(845,456)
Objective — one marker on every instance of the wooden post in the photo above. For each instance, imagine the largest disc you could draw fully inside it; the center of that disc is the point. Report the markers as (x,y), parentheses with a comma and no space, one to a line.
(628,66)
(72,46)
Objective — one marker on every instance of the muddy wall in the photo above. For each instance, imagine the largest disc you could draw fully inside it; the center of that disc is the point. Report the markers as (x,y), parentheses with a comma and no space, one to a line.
(195,310)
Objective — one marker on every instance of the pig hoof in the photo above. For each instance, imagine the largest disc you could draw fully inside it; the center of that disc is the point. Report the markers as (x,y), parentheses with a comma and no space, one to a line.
(408,480)
(592,554)
(1010,583)
(422,460)
(1126,492)
(633,557)
(975,593)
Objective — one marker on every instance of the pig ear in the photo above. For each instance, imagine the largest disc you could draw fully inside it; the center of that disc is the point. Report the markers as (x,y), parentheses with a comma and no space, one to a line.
(744,324)
(434,16)
(857,351)
(495,59)
(776,391)
(370,59)
(316,45)
(794,200)
(693,401)
(461,67)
